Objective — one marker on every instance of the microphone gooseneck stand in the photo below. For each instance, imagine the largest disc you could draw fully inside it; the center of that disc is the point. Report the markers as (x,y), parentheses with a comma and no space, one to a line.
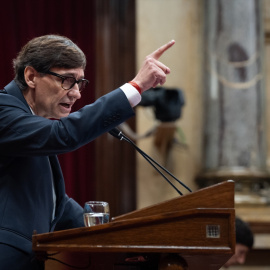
(115,132)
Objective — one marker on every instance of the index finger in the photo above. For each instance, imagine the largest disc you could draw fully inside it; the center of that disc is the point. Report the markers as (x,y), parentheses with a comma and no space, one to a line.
(157,53)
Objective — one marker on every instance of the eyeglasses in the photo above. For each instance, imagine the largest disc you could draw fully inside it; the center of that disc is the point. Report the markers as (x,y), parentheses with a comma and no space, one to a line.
(68,82)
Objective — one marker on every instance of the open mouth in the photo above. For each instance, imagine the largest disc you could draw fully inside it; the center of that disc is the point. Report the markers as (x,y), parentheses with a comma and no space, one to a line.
(66,105)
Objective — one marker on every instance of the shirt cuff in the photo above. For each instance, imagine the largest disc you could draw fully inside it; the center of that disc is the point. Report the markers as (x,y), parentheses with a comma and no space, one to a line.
(132,94)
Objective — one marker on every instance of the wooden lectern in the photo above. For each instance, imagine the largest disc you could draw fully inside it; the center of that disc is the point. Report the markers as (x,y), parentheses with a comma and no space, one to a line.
(198,227)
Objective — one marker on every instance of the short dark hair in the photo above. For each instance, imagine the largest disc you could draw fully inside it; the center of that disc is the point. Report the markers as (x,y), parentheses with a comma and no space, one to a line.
(44,52)
(244,234)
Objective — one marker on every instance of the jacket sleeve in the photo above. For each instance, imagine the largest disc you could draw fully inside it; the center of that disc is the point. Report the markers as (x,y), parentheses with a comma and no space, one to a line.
(24,134)
(72,216)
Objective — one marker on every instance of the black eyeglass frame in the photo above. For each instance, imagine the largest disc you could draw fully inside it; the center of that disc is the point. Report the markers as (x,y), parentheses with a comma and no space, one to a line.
(83,85)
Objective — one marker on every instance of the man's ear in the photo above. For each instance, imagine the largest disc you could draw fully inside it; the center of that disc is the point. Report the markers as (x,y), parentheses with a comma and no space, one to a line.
(30,76)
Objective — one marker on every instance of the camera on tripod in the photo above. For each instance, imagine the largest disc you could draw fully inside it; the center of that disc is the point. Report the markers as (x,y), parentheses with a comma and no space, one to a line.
(166,102)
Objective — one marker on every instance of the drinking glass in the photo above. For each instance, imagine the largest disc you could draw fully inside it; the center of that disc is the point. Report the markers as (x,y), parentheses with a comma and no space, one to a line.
(96,213)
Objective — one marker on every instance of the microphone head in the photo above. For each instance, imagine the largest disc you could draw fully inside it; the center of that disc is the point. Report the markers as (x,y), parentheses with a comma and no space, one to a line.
(115,132)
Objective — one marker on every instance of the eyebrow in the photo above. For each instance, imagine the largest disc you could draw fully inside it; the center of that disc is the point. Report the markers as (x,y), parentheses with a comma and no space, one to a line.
(71,75)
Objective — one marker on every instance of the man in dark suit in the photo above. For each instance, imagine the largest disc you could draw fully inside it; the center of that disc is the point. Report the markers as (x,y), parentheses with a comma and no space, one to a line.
(49,78)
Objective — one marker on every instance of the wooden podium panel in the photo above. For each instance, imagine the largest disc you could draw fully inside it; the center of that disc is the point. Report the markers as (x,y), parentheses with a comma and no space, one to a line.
(218,196)
(198,226)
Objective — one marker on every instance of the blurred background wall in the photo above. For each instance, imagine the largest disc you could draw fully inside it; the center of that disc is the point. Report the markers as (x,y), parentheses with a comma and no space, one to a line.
(183,21)
(158,22)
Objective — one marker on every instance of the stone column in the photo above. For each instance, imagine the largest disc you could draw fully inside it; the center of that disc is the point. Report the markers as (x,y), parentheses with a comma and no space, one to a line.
(234,94)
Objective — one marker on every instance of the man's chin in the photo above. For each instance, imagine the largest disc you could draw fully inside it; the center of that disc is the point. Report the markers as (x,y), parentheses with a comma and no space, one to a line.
(61,115)
(57,117)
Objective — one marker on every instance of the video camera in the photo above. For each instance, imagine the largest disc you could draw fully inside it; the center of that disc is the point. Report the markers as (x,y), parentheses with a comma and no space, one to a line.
(167,102)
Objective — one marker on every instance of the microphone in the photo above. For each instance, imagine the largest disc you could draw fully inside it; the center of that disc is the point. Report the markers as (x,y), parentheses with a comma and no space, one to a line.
(115,132)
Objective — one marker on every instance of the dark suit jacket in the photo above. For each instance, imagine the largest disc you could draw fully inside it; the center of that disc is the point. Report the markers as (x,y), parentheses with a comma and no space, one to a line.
(29,166)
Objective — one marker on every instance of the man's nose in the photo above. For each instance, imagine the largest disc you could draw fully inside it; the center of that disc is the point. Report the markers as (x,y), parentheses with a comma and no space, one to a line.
(75,92)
